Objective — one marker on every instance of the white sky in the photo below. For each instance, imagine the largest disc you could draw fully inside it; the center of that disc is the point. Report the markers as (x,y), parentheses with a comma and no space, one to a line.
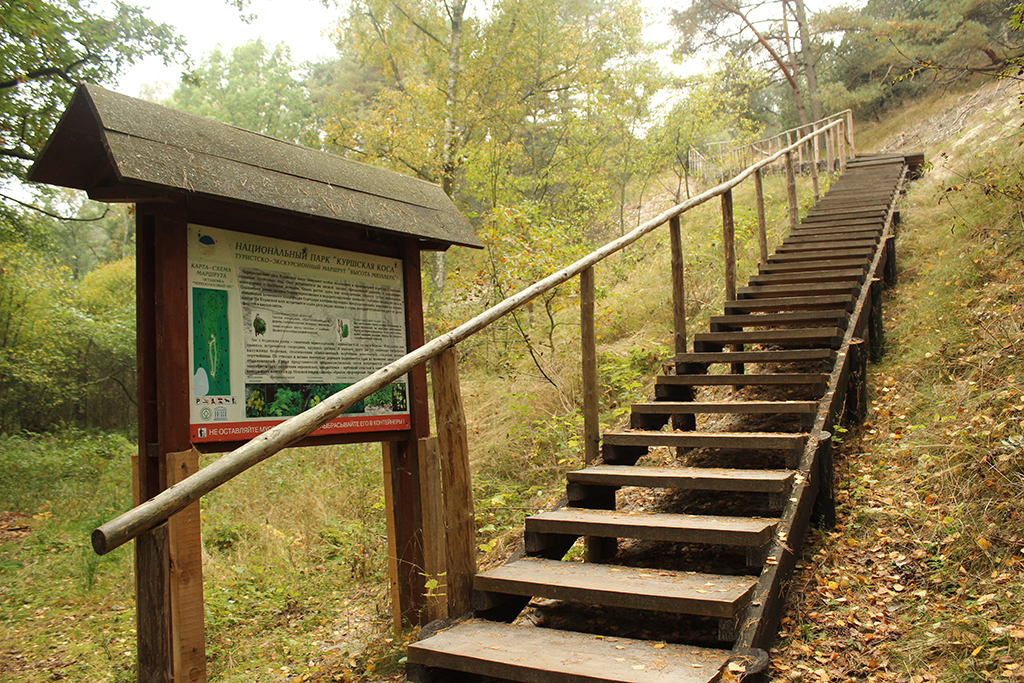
(304,25)
(301,24)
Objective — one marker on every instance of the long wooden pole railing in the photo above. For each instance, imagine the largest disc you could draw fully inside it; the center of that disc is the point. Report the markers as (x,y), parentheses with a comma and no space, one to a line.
(154,511)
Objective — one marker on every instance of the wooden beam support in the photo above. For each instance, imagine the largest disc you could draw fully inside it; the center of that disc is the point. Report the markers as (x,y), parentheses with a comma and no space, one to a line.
(588,346)
(762,225)
(729,244)
(678,284)
(794,207)
(453,446)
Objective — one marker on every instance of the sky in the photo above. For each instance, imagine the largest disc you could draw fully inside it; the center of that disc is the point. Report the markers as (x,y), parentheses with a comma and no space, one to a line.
(304,25)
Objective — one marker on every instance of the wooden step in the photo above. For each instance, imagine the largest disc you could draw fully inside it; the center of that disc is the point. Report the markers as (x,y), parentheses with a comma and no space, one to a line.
(829,253)
(683,478)
(531,655)
(841,237)
(770,356)
(816,264)
(728,322)
(796,277)
(797,246)
(704,341)
(725,407)
(792,303)
(747,532)
(872,213)
(847,287)
(839,227)
(707,595)
(731,440)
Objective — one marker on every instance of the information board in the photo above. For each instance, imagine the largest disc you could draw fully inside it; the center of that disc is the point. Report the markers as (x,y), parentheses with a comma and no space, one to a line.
(278,326)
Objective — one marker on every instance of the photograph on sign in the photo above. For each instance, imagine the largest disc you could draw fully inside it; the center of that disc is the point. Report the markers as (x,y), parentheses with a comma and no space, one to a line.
(278,326)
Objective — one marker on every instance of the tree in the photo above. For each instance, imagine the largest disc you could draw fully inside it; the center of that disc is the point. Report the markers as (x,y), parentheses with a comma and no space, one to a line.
(726,23)
(48,47)
(252,88)
(891,49)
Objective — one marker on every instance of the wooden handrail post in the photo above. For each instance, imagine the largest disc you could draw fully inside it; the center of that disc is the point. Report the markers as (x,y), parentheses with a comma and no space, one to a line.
(453,449)
(849,133)
(830,149)
(762,232)
(841,134)
(588,345)
(800,149)
(678,284)
(729,242)
(794,208)
(814,163)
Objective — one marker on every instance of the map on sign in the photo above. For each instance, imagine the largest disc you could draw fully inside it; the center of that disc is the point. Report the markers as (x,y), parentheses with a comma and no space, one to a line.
(278,326)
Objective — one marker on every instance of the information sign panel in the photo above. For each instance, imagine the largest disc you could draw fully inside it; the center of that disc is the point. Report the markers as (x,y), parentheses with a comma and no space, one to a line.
(277,326)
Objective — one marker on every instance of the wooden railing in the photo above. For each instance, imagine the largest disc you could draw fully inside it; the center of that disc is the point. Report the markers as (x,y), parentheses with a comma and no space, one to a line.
(829,148)
(440,353)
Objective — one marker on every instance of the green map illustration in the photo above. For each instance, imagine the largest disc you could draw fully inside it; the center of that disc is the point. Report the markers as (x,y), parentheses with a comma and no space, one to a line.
(210,339)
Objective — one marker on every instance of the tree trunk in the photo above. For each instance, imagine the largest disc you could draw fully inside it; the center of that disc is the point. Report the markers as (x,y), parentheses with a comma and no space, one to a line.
(810,68)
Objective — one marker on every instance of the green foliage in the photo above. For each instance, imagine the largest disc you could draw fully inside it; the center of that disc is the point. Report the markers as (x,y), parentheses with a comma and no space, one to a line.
(37,327)
(892,49)
(49,46)
(253,88)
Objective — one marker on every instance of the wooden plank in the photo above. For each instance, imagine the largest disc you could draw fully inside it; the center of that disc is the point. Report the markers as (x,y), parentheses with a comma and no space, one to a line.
(772,440)
(830,253)
(530,655)
(684,478)
(405,549)
(667,527)
(796,246)
(847,287)
(435,603)
(709,595)
(814,240)
(830,264)
(588,350)
(186,554)
(778,379)
(453,445)
(836,317)
(771,336)
(727,407)
(772,356)
(796,277)
(791,303)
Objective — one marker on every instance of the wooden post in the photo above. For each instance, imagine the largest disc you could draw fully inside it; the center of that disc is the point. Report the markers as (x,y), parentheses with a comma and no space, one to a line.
(830,150)
(453,447)
(800,149)
(404,520)
(762,229)
(186,555)
(849,134)
(814,163)
(153,607)
(678,284)
(588,346)
(729,243)
(163,345)
(841,134)
(794,207)
(434,553)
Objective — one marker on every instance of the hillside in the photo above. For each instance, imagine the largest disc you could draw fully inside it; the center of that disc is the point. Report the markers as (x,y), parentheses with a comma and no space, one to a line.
(921,579)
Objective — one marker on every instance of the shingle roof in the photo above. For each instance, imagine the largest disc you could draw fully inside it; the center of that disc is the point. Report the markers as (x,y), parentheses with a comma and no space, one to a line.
(120,148)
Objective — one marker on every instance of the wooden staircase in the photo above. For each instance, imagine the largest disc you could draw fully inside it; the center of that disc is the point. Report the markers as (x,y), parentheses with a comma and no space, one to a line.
(735,444)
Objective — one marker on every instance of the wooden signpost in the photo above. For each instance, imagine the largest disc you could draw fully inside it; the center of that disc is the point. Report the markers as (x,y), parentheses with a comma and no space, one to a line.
(243,238)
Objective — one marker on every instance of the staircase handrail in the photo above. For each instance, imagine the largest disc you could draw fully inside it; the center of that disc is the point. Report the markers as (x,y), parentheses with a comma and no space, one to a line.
(152,512)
